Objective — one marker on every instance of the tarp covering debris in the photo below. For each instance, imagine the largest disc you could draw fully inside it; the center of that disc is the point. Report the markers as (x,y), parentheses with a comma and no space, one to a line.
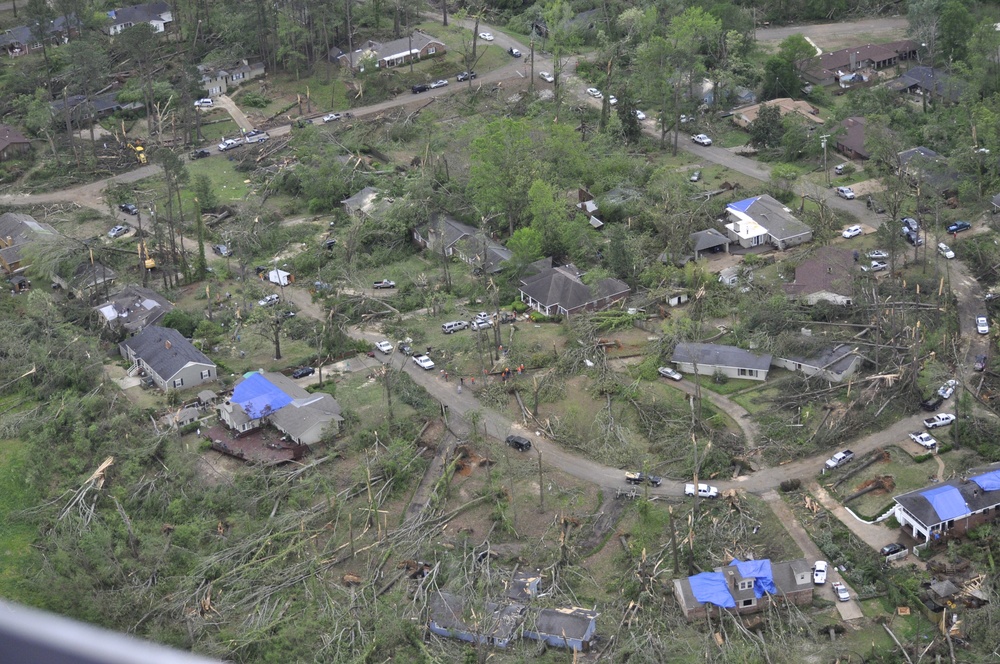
(760,572)
(710,587)
(947,501)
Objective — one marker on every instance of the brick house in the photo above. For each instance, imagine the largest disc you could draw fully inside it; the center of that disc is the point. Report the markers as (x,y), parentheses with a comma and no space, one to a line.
(417,46)
(950,508)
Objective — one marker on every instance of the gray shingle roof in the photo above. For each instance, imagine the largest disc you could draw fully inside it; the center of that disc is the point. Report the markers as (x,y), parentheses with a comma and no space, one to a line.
(719,356)
(569,623)
(975,498)
(416,41)
(707,239)
(138,13)
(835,359)
(776,218)
(165,350)
(562,286)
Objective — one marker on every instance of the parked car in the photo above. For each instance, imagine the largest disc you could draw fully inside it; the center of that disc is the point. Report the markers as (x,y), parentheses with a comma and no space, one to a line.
(612,100)
(845,192)
(486,36)
(332,117)
(129,208)
(910,224)
(890,549)
(667,372)
(876,266)
(840,590)
(222,250)
(982,325)
(819,572)
(945,250)
(229,144)
(643,478)
(256,136)
(302,372)
(948,388)
(465,76)
(423,362)
(547,77)
(913,238)
(269,300)
(420,87)
(200,154)
(939,420)
(439,84)
(204,103)
(117,231)
(851,231)
(839,169)
(405,349)
(385,347)
(839,459)
(877,253)
(959,226)
(385,283)
(923,439)
(595,93)
(932,403)
(701,139)
(980,364)
(454,326)
(519,443)
(513,51)
(639,115)
(695,176)
(480,325)
(704,491)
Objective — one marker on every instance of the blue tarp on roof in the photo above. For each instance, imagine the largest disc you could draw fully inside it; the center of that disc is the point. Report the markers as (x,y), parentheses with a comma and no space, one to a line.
(744,205)
(947,501)
(711,587)
(988,481)
(257,396)
(760,572)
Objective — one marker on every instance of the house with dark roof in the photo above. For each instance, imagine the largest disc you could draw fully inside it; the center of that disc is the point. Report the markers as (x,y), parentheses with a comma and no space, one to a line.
(559,291)
(86,280)
(930,83)
(742,117)
(831,68)
(133,308)
(564,627)
(416,47)
(850,140)
(764,220)
(730,361)
(744,587)
(20,40)
(16,232)
(261,398)
(952,507)
(833,363)
(100,106)
(922,164)
(443,234)
(156,14)
(12,143)
(454,616)
(708,241)
(825,276)
(166,357)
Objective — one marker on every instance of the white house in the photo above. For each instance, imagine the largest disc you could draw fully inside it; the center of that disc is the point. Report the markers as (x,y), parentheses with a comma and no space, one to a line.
(707,359)
(764,220)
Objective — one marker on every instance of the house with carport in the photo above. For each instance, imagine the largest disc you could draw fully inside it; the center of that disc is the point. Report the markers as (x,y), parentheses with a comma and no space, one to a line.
(950,508)
(261,398)
(167,358)
(730,361)
(764,220)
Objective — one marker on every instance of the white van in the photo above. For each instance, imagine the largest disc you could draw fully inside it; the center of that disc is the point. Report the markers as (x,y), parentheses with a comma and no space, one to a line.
(454,326)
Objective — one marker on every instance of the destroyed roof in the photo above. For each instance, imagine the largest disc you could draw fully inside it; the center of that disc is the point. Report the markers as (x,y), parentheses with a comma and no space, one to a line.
(566,622)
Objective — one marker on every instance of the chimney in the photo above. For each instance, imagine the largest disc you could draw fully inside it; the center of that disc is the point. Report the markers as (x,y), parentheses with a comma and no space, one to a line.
(166,344)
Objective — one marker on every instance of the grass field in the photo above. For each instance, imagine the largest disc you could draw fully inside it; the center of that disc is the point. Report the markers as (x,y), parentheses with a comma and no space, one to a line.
(15,535)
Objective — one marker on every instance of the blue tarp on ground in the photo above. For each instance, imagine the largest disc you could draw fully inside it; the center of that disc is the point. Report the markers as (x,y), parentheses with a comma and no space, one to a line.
(760,572)
(947,501)
(711,587)
(988,481)
(744,205)
(258,396)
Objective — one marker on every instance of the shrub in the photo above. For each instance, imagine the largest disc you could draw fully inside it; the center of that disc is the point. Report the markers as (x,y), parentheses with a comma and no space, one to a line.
(254,99)
(518,306)
(791,485)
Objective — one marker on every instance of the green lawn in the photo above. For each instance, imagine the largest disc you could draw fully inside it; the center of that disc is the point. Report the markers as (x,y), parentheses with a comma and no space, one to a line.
(16,536)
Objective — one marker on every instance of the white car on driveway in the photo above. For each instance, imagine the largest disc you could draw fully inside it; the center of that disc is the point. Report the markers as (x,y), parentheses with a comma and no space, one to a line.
(701,139)
(486,36)
(982,325)
(639,115)
(939,420)
(546,76)
(841,592)
(384,346)
(423,362)
(331,117)
(704,491)
(948,388)
(852,231)
(667,372)
(923,439)
(595,93)
(819,572)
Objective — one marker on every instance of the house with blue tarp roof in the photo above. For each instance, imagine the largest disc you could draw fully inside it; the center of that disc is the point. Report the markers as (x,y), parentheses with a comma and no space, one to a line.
(951,507)
(745,586)
(268,398)
(764,220)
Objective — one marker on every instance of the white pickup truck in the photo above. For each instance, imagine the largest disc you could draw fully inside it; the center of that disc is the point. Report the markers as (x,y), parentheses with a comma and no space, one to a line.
(704,491)
(839,459)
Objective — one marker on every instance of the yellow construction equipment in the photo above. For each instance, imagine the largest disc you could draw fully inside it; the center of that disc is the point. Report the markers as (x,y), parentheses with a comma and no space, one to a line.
(144,256)
(139,151)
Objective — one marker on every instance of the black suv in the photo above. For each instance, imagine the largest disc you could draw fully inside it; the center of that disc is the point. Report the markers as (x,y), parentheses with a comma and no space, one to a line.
(128,208)
(640,478)
(421,87)
(931,404)
(302,372)
(890,549)
(200,154)
(519,443)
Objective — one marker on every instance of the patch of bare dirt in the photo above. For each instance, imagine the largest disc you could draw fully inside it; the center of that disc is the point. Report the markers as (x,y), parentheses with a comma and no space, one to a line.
(214,468)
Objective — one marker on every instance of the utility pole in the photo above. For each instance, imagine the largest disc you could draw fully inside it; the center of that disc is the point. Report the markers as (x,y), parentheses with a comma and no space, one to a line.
(826,171)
